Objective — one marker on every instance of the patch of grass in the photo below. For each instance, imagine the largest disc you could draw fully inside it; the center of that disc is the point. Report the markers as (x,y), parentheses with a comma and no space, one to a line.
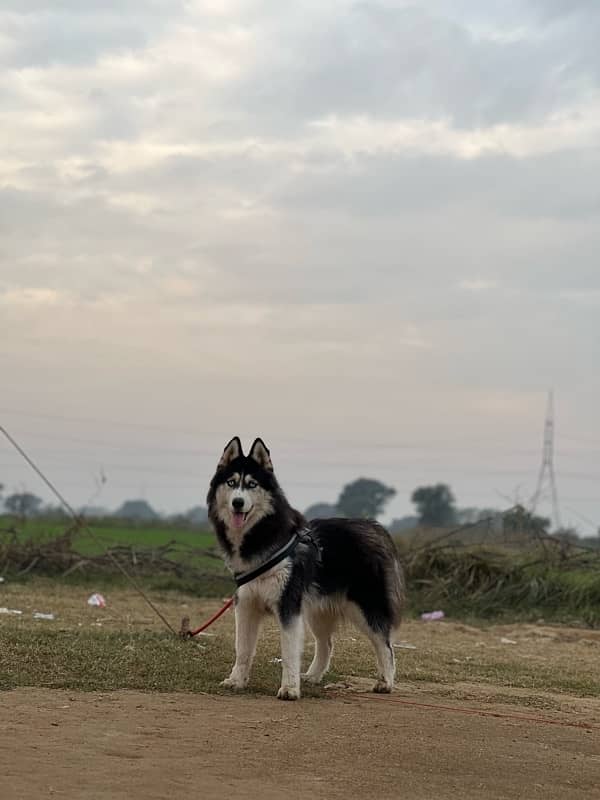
(157,556)
(206,585)
(103,661)
(110,533)
(106,660)
(484,583)
(124,647)
(491,585)
(109,660)
(488,668)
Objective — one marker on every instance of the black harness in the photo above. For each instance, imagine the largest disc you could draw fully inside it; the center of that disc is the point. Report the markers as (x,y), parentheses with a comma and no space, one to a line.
(304,536)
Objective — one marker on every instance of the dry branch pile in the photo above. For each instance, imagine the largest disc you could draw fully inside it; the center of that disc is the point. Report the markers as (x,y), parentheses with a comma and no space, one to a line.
(59,557)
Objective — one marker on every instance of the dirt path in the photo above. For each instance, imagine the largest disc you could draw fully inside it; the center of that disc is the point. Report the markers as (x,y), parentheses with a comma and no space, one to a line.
(135,746)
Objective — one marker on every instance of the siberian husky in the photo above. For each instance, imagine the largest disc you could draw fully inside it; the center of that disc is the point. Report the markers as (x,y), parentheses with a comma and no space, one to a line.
(321,573)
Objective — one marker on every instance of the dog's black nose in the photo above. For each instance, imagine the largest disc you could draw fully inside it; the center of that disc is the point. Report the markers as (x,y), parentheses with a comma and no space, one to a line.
(238,503)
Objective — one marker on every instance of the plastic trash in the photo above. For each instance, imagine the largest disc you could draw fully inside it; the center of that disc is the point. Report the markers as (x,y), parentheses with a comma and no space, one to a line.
(40,615)
(431,616)
(97,600)
(504,640)
(405,646)
(10,611)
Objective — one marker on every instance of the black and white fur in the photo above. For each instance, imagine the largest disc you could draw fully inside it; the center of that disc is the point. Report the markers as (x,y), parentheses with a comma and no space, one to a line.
(348,569)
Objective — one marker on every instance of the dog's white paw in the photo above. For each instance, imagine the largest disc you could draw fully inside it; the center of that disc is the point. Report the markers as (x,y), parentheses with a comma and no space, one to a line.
(234,683)
(312,678)
(382,687)
(288,693)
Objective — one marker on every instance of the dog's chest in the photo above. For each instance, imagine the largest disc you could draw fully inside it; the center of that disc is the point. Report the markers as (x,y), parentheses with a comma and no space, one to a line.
(266,590)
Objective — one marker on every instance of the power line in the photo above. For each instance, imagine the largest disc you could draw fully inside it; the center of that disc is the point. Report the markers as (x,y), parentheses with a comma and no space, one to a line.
(196,452)
(585,519)
(81,523)
(344,442)
(65,465)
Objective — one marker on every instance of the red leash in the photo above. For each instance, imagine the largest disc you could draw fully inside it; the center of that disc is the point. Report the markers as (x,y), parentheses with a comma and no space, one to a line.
(185,631)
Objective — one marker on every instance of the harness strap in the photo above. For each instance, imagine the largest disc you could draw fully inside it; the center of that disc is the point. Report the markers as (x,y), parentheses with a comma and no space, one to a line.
(241,578)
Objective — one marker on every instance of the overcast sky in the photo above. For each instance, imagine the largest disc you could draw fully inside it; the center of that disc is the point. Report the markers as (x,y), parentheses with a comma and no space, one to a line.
(367,232)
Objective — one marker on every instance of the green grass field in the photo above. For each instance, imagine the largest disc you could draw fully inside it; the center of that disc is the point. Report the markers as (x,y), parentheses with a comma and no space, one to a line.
(125,646)
(468,582)
(108,534)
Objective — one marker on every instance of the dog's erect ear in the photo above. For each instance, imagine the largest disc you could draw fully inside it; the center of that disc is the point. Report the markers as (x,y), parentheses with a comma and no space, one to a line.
(261,455)
(232,450)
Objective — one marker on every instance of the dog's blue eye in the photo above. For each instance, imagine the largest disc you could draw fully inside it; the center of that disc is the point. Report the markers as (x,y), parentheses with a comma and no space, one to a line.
(231,482)
(252,484)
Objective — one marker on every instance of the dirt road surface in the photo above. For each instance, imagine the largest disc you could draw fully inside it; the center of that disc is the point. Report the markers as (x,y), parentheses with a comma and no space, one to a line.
(142,746)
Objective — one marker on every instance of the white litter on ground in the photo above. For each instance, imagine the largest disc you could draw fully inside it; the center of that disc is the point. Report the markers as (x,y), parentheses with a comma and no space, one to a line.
(97,599)
(432,616)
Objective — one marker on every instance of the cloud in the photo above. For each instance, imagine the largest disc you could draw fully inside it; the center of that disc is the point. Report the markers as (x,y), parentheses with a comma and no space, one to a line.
(30,297)
(358,217)
(570,129)
(477,285)
(407,62)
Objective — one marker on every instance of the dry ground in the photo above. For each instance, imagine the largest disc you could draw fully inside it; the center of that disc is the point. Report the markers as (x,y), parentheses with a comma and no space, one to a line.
(535,731)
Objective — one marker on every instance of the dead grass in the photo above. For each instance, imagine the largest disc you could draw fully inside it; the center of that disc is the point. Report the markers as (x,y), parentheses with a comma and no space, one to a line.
(124,647)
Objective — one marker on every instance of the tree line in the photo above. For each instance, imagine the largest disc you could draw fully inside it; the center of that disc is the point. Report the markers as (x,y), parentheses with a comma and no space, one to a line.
(366,497)
(435,507)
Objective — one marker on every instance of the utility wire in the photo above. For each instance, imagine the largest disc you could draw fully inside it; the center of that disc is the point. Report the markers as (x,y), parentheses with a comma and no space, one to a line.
(80,521)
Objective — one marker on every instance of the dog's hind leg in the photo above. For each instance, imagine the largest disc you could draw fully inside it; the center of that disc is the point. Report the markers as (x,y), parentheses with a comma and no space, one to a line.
(386,663)
(247,625)
(292,638)
(322,626)
(379,632)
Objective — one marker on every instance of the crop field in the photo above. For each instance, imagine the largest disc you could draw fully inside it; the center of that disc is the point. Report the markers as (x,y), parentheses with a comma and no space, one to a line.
(110,533)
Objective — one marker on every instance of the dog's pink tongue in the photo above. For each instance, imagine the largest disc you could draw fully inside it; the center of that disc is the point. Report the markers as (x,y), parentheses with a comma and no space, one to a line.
(238,519)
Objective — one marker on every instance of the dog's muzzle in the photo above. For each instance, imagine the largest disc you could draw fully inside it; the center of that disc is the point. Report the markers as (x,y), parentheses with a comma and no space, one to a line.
(238,515)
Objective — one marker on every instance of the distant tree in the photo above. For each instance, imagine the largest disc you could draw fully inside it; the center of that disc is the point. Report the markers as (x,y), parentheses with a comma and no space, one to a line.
(471,516)
(321,511)
(197,515)
(23,504)
(520,521)
(435,505)
(95,512)
(591,541)
(403,524)
(567,535)
(55,513)
(466,516)
(139,510)
(364,497)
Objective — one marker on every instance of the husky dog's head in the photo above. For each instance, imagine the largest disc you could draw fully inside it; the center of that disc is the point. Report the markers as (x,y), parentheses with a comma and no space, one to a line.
(241,491)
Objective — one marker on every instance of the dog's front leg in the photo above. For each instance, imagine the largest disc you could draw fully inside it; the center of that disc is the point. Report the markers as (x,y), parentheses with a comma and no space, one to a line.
(247,625)
(292,638)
